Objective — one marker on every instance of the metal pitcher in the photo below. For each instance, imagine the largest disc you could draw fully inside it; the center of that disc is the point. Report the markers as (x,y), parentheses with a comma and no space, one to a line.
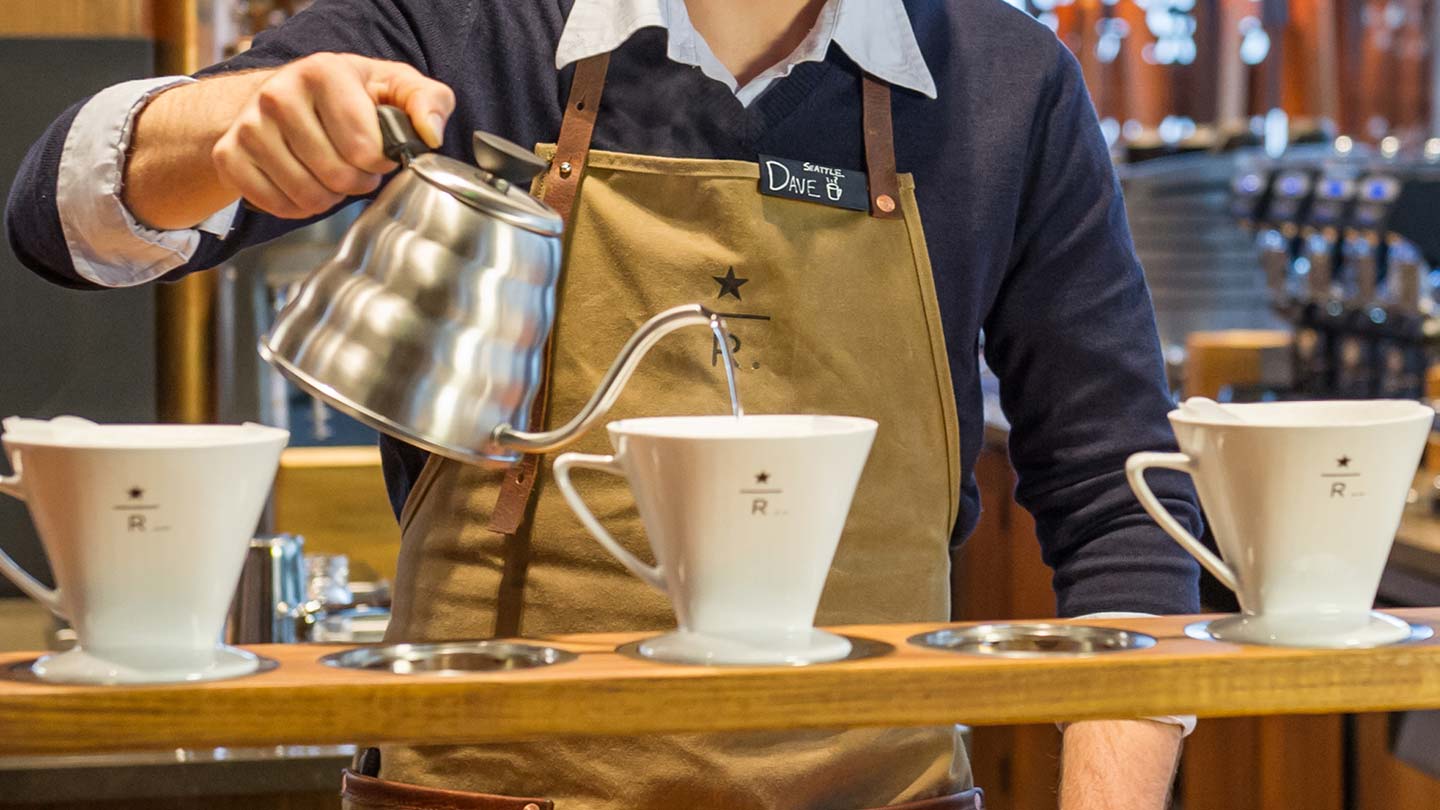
(430,321)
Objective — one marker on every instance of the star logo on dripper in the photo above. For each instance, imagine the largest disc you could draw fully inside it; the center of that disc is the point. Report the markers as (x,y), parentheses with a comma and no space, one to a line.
(762,477)
(1343,462)
(136,493)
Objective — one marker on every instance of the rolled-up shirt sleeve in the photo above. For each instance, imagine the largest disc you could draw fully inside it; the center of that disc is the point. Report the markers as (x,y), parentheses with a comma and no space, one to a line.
(108,246)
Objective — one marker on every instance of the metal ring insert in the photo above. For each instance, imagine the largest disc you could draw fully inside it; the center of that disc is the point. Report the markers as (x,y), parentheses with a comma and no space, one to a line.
(1033,640)
(448,658)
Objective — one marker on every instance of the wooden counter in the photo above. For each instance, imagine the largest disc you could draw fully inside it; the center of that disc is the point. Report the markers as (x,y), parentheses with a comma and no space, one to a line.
(602,692)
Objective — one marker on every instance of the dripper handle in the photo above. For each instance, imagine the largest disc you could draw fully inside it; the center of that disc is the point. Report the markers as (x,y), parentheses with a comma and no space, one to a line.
(49,597)
(1135,468)
(401,143)
(653,574)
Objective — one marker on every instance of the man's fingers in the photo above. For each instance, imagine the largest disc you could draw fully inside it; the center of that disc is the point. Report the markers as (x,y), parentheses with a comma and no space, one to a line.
(428,103)
(310,137)
(257,160)
(346,111)
(429,107)
(268,149)
(252,184)
(305,137)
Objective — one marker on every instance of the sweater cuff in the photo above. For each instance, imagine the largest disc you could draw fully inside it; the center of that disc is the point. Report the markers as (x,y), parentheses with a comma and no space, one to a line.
(107,245)
(1186,722)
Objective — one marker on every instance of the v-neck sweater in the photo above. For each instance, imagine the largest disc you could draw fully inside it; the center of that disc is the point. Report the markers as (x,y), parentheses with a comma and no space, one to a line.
(1021,209)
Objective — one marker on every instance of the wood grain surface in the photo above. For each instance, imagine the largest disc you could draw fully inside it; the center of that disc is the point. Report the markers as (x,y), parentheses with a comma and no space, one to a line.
(77,18)
(335,498)
(603,692)
(1232,357)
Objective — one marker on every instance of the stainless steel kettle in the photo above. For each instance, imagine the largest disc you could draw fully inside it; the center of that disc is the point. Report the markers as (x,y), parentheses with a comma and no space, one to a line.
(430,321)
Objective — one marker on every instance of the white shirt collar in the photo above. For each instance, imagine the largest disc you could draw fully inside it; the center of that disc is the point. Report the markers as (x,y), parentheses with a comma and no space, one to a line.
(875,33)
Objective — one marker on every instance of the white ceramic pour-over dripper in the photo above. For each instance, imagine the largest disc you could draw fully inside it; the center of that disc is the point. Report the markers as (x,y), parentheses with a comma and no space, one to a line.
(1304,499)
(146,528)
(743,558)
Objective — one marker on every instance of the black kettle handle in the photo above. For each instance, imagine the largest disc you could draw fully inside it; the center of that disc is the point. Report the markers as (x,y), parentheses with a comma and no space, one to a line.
(401,143)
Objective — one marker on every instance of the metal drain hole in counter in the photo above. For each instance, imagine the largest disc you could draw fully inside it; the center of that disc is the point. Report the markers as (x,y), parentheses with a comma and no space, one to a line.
(1040,640)
(449,658)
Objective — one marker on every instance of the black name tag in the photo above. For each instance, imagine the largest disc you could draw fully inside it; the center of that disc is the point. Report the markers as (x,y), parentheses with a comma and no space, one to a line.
(798,180)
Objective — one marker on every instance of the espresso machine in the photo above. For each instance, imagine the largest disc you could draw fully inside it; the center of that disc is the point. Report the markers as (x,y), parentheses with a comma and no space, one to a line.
(1395,221)
(1250,195)
(1347,243)
(1322,334)
(1342,290)
(1278,235)
(1364,254)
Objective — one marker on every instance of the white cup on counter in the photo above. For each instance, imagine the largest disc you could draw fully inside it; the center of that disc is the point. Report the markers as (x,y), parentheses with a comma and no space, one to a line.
(1304,499)
(744,517)
(146,528)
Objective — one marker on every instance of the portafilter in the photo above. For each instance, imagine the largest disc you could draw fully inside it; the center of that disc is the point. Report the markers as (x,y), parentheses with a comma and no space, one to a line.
(430,321)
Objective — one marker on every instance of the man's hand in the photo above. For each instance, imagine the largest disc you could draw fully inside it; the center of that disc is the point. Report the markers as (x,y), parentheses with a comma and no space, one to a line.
(308,137)
(1118,765)
(293,141)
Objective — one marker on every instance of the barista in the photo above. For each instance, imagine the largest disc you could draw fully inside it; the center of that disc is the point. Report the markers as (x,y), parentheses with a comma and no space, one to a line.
(988,203)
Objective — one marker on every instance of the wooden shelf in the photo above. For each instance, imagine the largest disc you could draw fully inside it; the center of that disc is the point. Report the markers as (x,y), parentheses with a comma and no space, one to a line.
(303,702)
(78,18)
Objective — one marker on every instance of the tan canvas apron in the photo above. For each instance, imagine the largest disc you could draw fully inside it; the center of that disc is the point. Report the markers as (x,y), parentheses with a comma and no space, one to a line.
(834,311)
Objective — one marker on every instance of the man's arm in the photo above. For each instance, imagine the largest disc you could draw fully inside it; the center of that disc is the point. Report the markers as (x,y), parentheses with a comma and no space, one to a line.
(1118,765)
(170,145)
(70,216)
(1072,338)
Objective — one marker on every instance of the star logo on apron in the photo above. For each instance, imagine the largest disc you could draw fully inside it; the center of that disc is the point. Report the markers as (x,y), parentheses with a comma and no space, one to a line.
(730,284)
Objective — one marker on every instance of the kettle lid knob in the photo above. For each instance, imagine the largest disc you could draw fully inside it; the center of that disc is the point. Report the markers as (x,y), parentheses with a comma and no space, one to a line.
(506,159)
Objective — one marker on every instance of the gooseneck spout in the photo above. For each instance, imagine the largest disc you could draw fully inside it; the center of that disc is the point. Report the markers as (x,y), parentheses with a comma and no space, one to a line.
(614,382)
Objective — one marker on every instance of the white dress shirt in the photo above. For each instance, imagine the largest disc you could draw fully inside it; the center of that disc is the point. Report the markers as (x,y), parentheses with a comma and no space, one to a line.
(111,248)
(876,34)
(107,244)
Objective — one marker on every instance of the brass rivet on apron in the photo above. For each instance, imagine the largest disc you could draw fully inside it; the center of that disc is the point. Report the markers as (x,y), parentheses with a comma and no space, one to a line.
(531,806)
(885,203)
(566,168)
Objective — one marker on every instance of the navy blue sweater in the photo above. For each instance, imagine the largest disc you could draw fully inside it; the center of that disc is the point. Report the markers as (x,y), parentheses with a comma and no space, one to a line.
(1022,213)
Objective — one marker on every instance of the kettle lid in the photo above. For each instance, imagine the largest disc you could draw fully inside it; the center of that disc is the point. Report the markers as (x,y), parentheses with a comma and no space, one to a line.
(490,189)
(487,193)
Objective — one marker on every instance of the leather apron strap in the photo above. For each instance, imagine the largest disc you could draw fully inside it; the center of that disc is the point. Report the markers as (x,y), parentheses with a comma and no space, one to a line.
(880,149)
(562,184)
